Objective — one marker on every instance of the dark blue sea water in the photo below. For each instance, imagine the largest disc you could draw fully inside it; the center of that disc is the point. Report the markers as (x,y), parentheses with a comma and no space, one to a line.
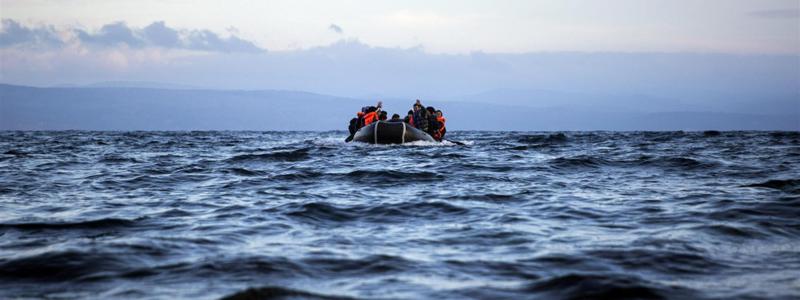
(205,215)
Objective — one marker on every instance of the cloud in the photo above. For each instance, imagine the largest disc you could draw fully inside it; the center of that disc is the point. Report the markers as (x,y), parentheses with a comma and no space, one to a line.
(208,41)
(111,35)
(13,33)
(114,35)
(791,13)
(159,34)
(335,28)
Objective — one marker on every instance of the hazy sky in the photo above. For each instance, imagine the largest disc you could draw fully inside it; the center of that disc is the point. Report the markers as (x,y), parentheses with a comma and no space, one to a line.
(728,26)
(683,50)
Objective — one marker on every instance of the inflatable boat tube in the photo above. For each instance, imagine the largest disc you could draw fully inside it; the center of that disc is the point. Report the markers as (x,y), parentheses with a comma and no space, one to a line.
(383,132)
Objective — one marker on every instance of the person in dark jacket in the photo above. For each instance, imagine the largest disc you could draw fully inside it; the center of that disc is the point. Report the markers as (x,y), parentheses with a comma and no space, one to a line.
(395,118)
(433,123)
(355,125)
(355,122)
(421,117)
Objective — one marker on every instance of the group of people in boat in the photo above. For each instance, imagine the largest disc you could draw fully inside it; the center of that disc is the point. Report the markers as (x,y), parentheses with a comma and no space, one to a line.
(427,119)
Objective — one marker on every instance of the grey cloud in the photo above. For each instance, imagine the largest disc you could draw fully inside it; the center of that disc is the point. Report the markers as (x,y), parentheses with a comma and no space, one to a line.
(13,33)
(777,14)
(208,41)
(111,35)
(160,35)
(335,28)
(157,34)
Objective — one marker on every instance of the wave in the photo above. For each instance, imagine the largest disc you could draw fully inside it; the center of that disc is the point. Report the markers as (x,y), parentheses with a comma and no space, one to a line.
(667,162)
(577,162)
(16,153)
(365,177)
(369,265)
(292,155)
(395,212)
(786,185)
(90,224)
(298,175)
(543,139)
(685,163)
(786,134)
(503,269)
(727,231)
(778,213)
(490,197)
(664,261)
(282,267)
(174,213)
(117,159)
(662,136)
(59,266)
(276,292)
(245,172)
(378,175)
(605,286)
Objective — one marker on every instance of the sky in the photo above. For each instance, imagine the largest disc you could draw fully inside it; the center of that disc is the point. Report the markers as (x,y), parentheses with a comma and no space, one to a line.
(728,26)
(687,50)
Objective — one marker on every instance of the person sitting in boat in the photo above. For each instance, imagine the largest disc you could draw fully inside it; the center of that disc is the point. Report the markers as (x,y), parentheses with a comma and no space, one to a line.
(409,118)
(369,116)
(420,117)
(395,118)
(442,126)
(433,123)
(355,123)
(383,116)
(372,114)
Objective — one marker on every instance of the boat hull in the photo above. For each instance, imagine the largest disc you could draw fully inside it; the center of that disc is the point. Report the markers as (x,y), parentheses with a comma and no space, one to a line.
(383,132)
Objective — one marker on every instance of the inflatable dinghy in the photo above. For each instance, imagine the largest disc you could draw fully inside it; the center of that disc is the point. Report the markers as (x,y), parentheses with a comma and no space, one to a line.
(383,132)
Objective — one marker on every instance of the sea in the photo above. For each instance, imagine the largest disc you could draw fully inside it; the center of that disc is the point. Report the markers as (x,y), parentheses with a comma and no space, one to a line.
(492,215)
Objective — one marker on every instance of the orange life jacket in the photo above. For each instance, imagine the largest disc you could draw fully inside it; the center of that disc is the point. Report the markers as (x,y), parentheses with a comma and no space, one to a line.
(370,117)
(441,120)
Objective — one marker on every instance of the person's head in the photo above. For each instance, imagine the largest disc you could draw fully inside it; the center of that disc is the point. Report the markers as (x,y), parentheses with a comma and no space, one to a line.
(431,110)
(382,116)
(371,109)
(360,114)
(395,117)
(410,112)
(438,113)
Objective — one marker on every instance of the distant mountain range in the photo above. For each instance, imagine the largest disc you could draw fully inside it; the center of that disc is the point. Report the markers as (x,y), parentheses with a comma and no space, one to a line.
(134,84)
(154,106)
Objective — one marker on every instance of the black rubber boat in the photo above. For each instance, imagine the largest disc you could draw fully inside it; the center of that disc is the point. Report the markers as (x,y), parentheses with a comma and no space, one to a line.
(383,132)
